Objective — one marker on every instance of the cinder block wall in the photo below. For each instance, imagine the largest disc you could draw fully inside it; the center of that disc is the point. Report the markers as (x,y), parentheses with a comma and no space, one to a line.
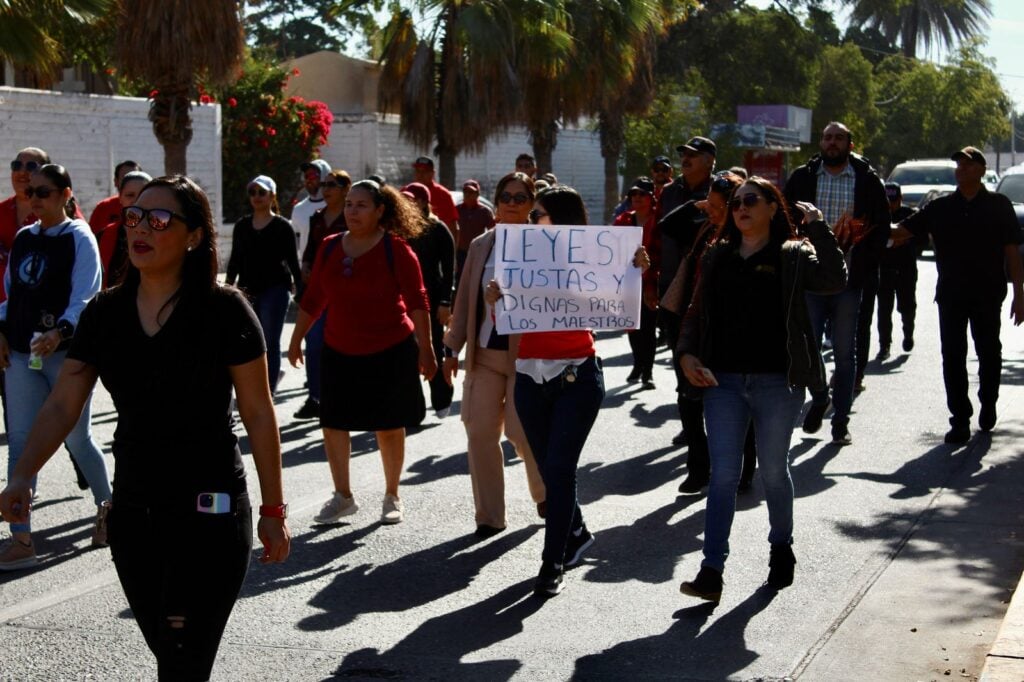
(89,134)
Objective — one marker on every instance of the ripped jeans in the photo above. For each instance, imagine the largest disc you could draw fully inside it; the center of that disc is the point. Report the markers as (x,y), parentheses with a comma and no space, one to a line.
(181,572)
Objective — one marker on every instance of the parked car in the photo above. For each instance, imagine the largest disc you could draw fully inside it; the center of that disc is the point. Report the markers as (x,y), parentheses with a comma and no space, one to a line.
(920,176)
(990,180)
(1012,186)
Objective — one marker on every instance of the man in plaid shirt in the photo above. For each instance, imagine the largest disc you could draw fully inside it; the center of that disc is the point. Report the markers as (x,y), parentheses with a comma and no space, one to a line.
(852,198)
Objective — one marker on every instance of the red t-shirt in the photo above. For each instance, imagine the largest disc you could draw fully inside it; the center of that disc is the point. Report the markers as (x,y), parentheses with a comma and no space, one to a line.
(8,228)
(442,203)
(557,345)
(106,212)
(367,310)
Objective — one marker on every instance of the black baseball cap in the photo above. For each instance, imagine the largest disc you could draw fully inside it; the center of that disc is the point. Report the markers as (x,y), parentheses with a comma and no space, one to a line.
(698,144)
(971,154)
(642,184)
(661,161)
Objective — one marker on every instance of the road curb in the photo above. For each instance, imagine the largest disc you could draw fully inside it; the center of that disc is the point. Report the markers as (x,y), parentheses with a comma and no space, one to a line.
(1005,660)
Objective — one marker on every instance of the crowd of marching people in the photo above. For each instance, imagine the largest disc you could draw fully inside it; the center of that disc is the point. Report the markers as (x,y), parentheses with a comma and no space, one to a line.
(744,281)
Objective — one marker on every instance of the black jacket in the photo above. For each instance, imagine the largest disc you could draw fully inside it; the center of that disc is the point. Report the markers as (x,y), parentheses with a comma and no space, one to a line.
(814,264)
(869,204)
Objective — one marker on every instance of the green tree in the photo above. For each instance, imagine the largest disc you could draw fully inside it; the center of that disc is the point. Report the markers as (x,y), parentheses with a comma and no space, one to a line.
(929,111)
(459,80)
(172,46)
(292,28)
(30,30)
(922,22)
(847,93)
(263,131)
(675,115)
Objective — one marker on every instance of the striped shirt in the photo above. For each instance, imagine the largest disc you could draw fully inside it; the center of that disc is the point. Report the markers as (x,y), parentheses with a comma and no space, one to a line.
(835,193)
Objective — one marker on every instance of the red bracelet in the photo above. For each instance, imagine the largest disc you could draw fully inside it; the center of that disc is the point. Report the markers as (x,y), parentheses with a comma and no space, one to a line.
(274,511)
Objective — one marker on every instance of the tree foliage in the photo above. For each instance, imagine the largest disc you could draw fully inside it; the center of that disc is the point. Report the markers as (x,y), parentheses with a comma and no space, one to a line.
(293,28)
(265,132)
(31,31)
(922,22)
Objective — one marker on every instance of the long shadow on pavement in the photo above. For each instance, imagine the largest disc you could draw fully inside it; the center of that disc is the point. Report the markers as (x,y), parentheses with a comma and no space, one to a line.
(684,651)
(413,580)
(435,649)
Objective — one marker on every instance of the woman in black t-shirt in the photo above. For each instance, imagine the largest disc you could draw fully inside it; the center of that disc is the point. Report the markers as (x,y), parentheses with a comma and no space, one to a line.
(169,345)
(266,265)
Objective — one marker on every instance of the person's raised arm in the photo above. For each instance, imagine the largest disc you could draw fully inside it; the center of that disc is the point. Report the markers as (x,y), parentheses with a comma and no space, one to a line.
(53,423)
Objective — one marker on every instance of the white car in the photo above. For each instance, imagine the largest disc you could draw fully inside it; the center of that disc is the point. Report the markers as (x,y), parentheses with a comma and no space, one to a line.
(921,176)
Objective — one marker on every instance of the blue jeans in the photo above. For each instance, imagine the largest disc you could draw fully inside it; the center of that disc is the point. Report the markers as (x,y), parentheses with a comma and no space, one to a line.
(314,350)
(271,308)
(843,310)
(27,390)
(557,417)
(774,406)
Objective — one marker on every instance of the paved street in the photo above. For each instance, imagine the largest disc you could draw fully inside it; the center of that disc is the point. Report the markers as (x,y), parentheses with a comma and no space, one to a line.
(908,553)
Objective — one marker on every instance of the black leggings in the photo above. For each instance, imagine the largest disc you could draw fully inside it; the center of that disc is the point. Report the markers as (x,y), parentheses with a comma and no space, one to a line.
(181,572)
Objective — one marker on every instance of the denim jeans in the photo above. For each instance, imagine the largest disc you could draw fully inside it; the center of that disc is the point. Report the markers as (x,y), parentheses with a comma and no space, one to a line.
(314,350)
(557,417)
(843,310)
(271,307)
(773,405)
(27,390)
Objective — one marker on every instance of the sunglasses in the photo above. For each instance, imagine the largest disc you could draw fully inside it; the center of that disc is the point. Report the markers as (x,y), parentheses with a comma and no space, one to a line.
(258,191)
(749,200)
(159,219)
(332,184)
(519,198)
(41,192)
(535,215)
(30,166)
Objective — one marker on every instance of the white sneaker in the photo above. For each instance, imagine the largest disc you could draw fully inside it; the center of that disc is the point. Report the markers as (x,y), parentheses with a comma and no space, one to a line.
(335,508)
(392,510)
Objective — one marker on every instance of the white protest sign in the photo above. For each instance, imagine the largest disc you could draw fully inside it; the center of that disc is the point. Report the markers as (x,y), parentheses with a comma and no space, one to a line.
(562,277)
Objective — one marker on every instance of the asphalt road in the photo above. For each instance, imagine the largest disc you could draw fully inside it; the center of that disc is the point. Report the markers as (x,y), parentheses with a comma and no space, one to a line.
(908,551)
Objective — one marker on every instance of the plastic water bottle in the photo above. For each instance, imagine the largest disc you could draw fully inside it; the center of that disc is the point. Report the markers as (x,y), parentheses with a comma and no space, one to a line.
(35,361)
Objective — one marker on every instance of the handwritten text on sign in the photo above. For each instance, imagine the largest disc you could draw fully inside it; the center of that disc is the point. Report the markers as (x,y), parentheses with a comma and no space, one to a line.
(561,277)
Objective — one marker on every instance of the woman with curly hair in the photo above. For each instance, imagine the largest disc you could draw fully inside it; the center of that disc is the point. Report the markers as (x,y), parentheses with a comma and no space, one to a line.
(367,281)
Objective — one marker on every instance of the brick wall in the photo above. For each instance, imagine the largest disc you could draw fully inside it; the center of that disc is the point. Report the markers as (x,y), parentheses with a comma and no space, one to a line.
(89,134)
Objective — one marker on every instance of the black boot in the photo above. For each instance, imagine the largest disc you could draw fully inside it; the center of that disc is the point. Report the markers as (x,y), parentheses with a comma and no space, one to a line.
(707,585)
(780,566)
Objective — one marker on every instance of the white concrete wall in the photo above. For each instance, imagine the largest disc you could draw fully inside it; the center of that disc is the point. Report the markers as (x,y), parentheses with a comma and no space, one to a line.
(90,134)
(364,144)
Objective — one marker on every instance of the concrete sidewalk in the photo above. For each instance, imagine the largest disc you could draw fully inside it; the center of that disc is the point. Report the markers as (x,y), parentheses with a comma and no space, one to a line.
(1005,661)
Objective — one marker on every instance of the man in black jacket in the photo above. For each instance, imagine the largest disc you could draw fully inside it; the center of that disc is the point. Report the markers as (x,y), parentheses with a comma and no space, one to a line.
(851,195)
(697,163)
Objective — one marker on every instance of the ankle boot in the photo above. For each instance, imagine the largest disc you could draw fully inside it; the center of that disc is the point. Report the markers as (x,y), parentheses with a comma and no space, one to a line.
(707,585)
(780,566)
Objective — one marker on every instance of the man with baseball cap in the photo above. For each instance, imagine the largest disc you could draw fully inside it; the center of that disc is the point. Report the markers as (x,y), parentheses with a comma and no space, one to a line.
(697,163)
(976,237)
(474,220)
(441,200)
(313,173)
(661,174)
(897,278)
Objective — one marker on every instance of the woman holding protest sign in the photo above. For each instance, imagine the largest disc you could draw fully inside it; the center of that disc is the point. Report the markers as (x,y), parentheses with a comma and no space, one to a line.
(487,392)
(745,343)
(559,389)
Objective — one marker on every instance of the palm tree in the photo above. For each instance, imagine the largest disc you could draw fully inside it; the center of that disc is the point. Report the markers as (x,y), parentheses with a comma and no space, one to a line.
(459,81)
(29,29)
(172,45)
(923,22)
(610,72)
